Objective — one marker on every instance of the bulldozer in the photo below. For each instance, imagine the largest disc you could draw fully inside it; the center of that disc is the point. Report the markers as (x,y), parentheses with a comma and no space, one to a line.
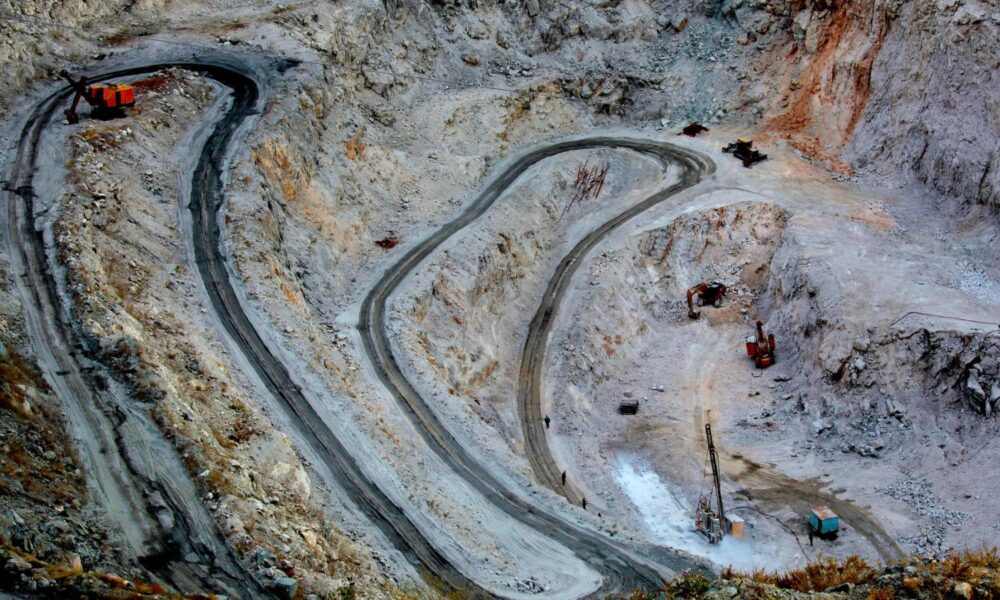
(108,100)
(705,294)
(743,149)
(761,348)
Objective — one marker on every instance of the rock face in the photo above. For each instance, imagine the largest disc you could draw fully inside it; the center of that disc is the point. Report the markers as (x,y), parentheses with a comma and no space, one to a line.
(908,93)
(934,108)
(909,359)
(982,395)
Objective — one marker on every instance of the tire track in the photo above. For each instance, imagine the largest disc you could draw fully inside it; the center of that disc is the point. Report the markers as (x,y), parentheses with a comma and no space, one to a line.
(623,571)
(151,501)
(207,197)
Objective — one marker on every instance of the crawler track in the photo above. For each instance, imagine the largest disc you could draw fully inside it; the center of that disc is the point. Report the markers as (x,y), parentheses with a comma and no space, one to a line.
(621,569)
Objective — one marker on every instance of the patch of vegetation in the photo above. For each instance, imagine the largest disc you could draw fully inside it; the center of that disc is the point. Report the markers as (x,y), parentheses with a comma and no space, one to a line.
(15,374)
(969,575)
(823,574)
(23,571)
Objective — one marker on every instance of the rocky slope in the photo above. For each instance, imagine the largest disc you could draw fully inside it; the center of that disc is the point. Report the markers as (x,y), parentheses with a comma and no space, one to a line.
(414,104)
(130,284)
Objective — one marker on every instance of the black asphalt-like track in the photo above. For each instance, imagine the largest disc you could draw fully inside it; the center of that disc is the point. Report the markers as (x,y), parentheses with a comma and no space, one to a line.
(622,571)
(166,551)
(207,195)
(529,386)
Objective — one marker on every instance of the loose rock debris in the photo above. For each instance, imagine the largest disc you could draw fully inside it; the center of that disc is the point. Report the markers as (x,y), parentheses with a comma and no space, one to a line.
(402,139)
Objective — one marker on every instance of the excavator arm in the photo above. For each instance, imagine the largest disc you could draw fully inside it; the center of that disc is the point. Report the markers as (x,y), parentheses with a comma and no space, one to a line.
(711,293)
(698,289)
(80,87)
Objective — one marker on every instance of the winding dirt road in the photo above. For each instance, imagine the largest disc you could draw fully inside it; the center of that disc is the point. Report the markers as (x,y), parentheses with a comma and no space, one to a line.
(621,569)
(133,471)
(191,554)
(207,196)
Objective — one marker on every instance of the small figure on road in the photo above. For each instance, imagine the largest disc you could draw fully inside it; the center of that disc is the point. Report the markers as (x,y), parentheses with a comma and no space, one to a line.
(584,503)
(810,536)
(564,477)
(547,421)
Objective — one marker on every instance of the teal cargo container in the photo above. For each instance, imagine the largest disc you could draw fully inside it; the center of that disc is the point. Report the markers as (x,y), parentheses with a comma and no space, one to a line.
(824,522)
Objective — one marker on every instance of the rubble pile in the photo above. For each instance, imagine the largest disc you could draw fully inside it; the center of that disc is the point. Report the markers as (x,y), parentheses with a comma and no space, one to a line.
(936,521)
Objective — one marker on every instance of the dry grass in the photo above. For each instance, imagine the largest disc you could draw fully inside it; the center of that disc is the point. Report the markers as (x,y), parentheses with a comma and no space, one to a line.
(65,582)
(969,564)
(825,573)
(15,374)
(881,594)
(100,138)
(935,578)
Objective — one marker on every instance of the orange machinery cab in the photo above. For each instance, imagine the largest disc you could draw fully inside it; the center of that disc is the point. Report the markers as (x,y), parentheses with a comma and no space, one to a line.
(761,353)
(113,96)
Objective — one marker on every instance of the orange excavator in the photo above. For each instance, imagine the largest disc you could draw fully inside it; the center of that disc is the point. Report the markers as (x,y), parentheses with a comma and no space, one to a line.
(706,294)
(108,100)
(760,348)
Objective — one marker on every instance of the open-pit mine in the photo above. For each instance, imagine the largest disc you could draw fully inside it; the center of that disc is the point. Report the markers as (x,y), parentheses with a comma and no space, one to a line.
(500,298)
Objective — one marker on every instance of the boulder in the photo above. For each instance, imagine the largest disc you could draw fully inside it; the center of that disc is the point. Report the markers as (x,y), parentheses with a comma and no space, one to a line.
(17,564)
(285,587)
(963,590)
(477,30)
(262,557)
(974,389)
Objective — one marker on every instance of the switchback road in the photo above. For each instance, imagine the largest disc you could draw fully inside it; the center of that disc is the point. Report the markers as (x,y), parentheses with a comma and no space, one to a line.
(621,568)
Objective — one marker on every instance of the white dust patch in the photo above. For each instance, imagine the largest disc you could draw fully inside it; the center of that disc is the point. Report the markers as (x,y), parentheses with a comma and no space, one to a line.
(671,522)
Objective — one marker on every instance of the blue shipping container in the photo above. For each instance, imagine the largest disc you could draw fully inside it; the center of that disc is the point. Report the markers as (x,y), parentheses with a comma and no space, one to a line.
(824,520)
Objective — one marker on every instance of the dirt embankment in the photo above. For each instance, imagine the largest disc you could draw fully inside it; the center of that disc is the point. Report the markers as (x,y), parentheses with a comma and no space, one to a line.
(43,491)
(123,246)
